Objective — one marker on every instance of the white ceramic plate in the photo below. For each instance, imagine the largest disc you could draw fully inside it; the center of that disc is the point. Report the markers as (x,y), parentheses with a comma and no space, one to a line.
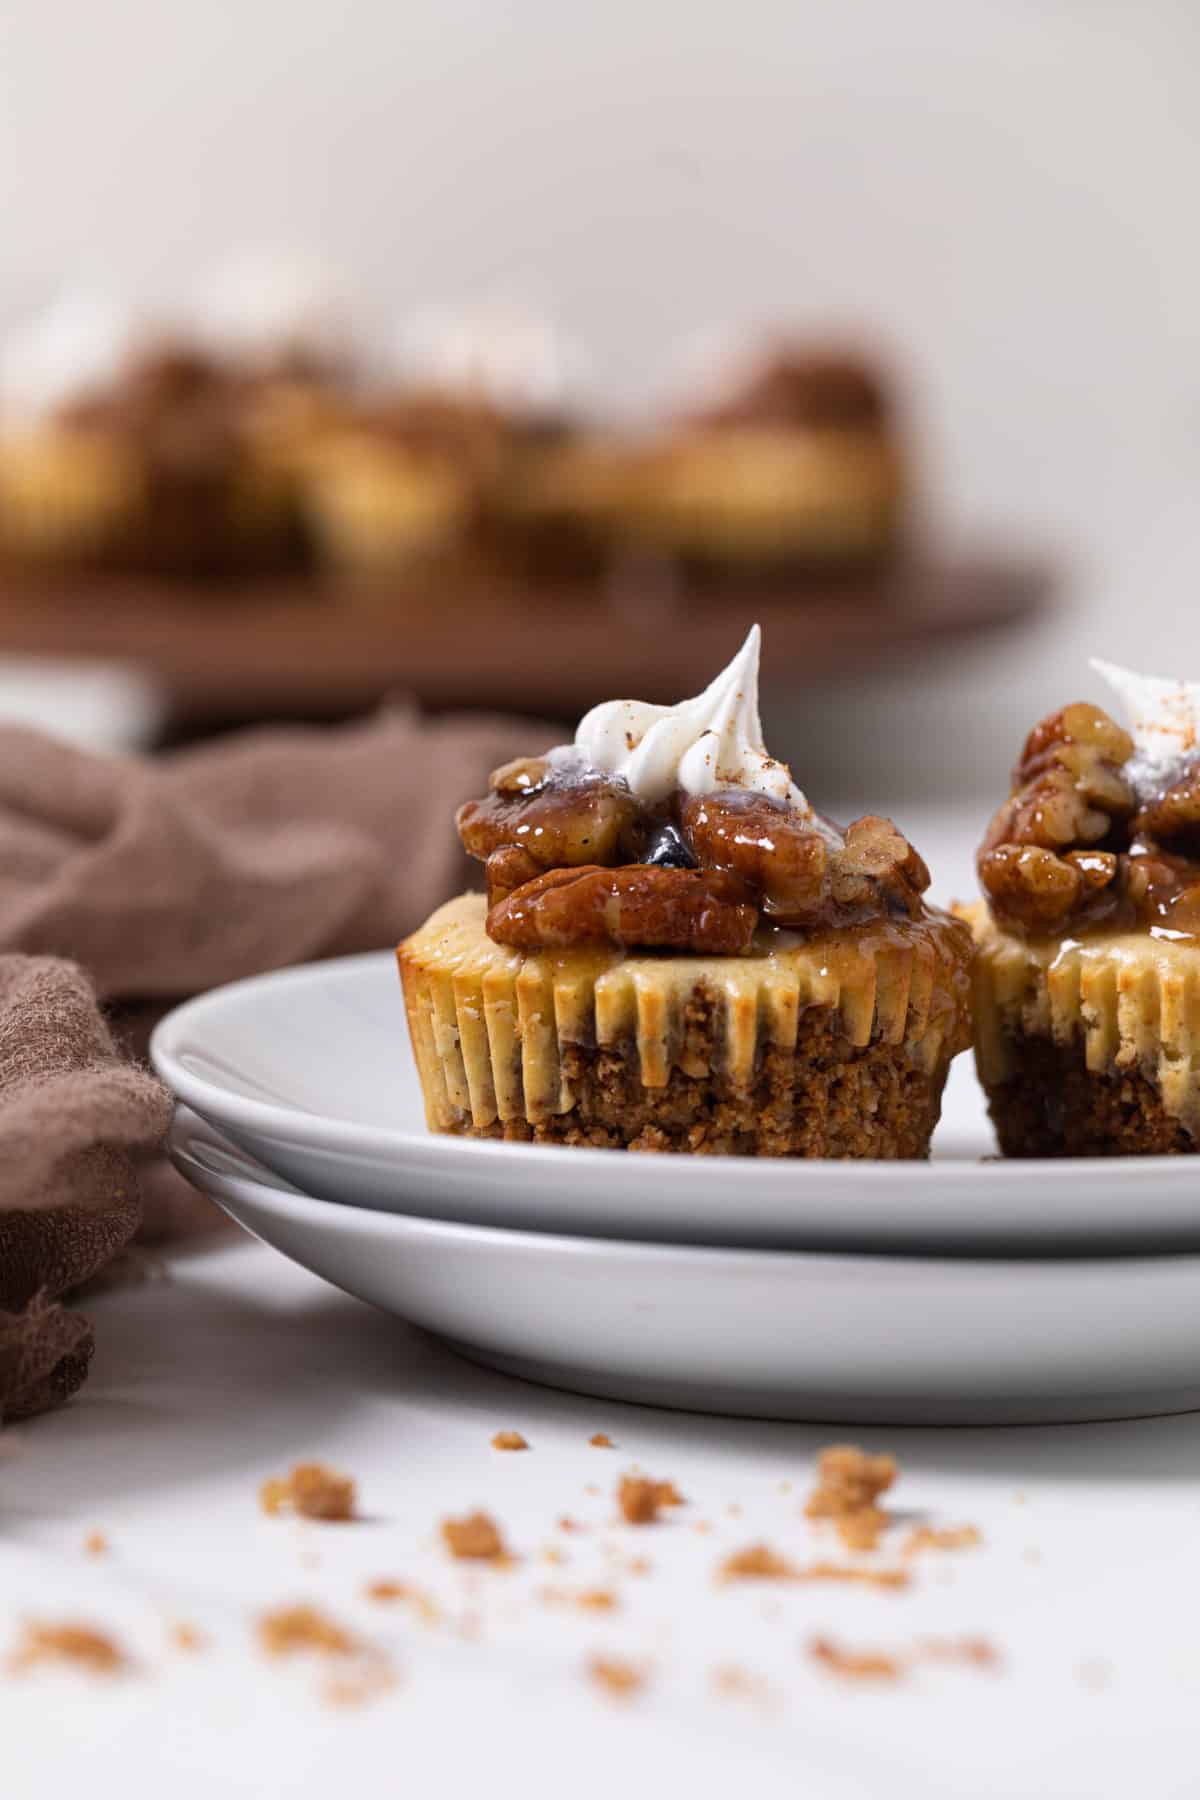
(771,1333)
(310,1070)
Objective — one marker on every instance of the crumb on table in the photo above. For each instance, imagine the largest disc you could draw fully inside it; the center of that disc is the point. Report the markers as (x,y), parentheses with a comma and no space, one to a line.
(861,1530)
(849,1482)
(475,1538)
(757,1562)
(373,1677)
(509,1440)
(975,1652)
(96,1544)
(186,1636)
(855,1665)
(617,1676)
(736,1682)
(586,1599)
(855,1573)
(294,1628)
(386,1591)
(600,1440)
(945,1537)
(641,1499)
(312,1491)
(82,1646)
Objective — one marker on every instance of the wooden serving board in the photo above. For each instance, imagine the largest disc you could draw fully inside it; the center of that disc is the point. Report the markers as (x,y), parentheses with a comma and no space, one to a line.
(236,652)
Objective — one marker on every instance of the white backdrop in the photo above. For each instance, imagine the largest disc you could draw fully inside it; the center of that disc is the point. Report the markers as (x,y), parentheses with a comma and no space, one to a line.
(1004,192)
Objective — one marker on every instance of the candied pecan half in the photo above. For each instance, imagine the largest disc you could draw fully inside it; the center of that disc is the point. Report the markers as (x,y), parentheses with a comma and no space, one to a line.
(508,868)
(1055,851)
(637,906)
(805,881)
(523,775)
(1163,887)
(563,821)
(767,844)
(877,868)
(1173,817)
(1068,789)
(1029,886)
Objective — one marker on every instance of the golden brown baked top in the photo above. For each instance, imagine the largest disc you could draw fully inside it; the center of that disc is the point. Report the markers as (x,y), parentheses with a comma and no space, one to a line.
(573,857)
(1087,842)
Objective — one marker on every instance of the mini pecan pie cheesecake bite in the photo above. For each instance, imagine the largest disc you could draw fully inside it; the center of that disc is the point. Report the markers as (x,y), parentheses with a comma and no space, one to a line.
(1087,973)
(676,952)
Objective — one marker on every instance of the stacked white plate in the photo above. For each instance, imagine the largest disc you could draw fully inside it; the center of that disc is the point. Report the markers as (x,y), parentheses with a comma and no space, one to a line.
(964,1290)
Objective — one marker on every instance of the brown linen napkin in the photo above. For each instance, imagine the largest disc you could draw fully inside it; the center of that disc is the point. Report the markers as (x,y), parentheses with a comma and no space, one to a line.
(74,1121)
(162,877)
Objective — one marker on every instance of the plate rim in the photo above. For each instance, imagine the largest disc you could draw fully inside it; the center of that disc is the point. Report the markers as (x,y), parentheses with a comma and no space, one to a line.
(310,1130)
(188,1127)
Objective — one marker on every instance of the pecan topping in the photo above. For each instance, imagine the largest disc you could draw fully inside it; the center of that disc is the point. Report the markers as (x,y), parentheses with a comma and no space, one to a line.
(1068,790)
(1026,883)
(1054,851)
(677,909)
(878,862)
(765,843)
(562,822)
(573,857)
(805,880)
(1074,847)
(1173,817)
(508,869)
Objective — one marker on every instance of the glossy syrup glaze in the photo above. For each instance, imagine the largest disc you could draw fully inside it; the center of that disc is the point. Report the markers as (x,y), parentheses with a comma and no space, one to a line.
(574,857)
(1093,840)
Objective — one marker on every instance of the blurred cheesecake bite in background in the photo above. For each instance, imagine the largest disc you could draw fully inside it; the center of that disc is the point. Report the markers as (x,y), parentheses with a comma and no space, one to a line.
(288,328)
(126,444)
(69,491)
(782,461)
(258,432)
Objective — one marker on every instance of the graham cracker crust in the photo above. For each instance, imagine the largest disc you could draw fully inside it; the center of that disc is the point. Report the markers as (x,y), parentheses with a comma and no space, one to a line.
(1054,1105)
(826,1097)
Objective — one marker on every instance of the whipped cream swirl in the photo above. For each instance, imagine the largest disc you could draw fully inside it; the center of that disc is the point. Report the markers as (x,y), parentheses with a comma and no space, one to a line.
(710,742)
(1163,717)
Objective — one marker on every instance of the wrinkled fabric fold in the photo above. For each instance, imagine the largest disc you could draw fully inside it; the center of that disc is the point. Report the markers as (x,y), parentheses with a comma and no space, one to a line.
(164,877)
(76,1124)
(142,881)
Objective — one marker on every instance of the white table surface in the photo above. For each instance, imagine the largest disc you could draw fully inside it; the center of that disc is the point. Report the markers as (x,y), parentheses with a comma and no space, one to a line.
(236,1364)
